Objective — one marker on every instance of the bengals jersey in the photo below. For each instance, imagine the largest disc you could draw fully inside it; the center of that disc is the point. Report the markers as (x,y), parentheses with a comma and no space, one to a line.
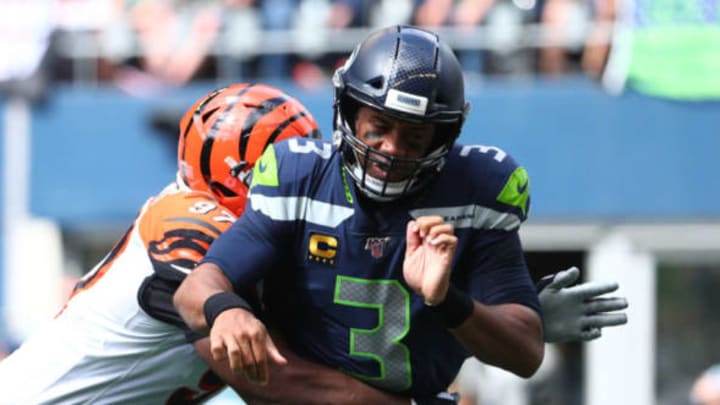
(119,339)
(331,260)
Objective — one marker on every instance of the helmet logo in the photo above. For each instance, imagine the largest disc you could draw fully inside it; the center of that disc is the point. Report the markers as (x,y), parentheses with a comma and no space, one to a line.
(406,102)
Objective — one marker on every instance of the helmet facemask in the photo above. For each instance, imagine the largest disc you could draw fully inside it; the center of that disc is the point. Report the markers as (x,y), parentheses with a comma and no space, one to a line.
(407,74)
(404,176)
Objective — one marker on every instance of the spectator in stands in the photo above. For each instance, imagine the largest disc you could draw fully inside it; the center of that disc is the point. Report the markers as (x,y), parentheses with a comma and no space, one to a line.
(317,20)
(563,23)
(662,48)
(26,28)
(174,38)
(460,13)
(277,15)
(597,45)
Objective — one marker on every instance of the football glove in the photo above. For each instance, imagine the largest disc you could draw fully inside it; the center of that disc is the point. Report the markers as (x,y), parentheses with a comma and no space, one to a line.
(578,313)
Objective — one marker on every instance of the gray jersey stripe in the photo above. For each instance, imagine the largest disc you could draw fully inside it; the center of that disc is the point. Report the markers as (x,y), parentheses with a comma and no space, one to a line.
(472,216)
(300,208)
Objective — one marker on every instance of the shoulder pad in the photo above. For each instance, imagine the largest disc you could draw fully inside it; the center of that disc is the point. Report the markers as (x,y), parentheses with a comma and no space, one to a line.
(180,226)
(499,181)
(286,165)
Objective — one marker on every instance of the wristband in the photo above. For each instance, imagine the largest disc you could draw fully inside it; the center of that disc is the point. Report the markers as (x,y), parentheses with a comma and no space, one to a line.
(221,302)
(456,308)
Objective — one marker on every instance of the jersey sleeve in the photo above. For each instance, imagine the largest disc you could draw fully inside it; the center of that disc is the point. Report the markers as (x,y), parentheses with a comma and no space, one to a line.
(500,274)
(177,231)
(255,244)
(501,184)
(498,271)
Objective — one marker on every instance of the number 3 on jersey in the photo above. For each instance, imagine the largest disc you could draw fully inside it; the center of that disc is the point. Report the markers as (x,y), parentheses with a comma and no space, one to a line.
(382,343)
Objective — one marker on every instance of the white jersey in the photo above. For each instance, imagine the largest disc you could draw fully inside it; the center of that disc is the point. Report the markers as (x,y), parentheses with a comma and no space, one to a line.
(119,339)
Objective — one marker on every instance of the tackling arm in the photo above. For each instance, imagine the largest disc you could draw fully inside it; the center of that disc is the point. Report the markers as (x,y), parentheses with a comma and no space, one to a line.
(300,381)
(508,336)
(206,280)
(205,301)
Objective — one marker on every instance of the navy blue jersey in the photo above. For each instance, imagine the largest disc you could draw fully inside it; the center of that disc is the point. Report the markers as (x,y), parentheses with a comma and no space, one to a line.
(331,260)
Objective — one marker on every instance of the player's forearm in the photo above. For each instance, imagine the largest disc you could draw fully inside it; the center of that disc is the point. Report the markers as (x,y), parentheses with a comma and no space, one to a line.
(203,282)
(508,336)
(299,381)
(313,388)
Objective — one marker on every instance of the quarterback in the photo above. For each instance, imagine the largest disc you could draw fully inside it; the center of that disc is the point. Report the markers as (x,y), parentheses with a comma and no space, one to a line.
(392,254)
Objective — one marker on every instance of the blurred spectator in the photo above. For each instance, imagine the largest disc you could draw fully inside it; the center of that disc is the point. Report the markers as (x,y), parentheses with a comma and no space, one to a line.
(239,40)
(597,45)
(316,21)
(664,48)
(564,24)
(465,14)
(347,13)
(25,32)
(313,23)
(277,15)
(174,38)
(706,388)
(80,24)
(384,13)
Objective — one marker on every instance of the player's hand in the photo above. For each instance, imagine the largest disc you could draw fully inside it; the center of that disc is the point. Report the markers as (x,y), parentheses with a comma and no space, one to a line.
(431,245)
(578,313)
(241,338)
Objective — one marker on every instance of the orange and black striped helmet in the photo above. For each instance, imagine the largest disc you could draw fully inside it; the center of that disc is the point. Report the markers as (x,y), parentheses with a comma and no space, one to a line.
(225,132)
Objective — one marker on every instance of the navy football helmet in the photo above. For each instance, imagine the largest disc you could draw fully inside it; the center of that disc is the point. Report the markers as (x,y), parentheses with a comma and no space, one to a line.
(409,74)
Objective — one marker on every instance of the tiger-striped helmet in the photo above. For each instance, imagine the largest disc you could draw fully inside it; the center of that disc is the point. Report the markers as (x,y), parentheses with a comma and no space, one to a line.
(224,133)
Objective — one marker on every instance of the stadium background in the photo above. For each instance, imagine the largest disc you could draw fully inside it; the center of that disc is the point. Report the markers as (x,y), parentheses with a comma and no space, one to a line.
(624,185)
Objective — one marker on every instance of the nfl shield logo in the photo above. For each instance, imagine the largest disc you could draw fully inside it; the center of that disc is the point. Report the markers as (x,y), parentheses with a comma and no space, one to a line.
(376,246)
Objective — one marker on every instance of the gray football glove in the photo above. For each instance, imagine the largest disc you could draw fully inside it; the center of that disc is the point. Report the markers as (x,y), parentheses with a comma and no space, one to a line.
(578,313)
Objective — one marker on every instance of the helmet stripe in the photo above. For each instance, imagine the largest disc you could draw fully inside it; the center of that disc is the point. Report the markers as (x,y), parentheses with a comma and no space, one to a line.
(208,143)
(266,107)
(197,111)
(280,128)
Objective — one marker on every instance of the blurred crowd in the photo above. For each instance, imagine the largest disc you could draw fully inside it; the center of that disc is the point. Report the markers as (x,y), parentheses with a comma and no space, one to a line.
(142,45)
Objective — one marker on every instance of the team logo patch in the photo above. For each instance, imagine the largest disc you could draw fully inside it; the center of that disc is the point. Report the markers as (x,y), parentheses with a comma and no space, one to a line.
(265,172)
(517,190)
(322,248)
(376,246)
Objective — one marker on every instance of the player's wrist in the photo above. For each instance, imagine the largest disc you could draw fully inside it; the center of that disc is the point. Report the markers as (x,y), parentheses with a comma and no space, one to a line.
(455,309)
(221,302)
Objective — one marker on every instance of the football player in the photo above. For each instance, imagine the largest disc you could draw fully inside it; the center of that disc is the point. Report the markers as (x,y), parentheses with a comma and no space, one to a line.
(392,254)
(119,339)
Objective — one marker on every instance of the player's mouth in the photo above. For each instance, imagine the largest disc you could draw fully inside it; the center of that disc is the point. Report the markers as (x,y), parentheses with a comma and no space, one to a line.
(378,170)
